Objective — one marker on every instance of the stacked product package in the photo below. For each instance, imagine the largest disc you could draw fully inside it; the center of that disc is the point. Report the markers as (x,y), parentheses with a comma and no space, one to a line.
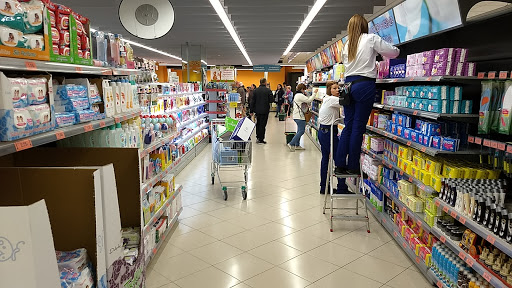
(441,62)
(19,23)
(436,99)
(73,105)
(131,242)
(495,113)
(76,270)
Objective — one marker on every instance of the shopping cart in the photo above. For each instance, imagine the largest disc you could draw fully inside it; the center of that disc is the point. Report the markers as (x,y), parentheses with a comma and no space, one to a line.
(228,156)
(359,197)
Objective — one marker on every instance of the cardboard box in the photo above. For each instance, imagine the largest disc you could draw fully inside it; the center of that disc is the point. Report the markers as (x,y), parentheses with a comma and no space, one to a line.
(27,251)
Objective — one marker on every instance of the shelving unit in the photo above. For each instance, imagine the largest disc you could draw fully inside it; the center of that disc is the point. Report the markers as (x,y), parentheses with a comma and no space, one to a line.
(162,240)
(197,130)
(428,150)
(61,133)
(468,259)
(183,124)
(315,142)
(180,94)
(503,146)
(160,211)
(429,115)
(157,144)
(427,79)
(475,227)
(391,165)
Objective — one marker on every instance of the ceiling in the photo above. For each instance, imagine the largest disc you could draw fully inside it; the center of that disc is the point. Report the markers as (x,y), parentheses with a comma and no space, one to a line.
(265,27)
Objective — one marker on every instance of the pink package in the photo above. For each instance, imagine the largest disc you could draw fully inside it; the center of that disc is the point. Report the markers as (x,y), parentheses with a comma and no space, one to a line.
(427,70)
(460,69)
(64,38)
(461,55)
(428,57)
(444,55)
(377,144)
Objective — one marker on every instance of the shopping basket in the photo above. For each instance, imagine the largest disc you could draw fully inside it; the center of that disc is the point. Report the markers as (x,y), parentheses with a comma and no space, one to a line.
(290,127)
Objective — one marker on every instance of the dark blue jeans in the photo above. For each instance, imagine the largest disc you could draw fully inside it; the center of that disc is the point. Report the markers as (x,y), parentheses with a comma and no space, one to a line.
(324,137)
(278,109)
(301,128)
(356,118)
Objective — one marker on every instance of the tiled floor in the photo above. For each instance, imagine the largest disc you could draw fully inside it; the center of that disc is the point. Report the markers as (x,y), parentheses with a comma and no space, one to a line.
(278,237)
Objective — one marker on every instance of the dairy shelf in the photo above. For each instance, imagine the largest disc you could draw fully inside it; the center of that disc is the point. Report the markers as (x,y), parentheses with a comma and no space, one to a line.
(162,239)
(402,173)
(475,227)
(495,281)
(61,133)
(427,79)
(418,217)
(428,150)
(429,115)
(160,211)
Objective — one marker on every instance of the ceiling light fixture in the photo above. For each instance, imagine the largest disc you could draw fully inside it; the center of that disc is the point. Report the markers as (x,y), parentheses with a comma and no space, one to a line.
(309,18)
(225,19)
(204,62)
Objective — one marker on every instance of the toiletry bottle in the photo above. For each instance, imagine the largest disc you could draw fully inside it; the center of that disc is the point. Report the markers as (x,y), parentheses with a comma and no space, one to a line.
(497,221)
(503,224)
(113,137)
(508,235)
(117,94)
(492,217)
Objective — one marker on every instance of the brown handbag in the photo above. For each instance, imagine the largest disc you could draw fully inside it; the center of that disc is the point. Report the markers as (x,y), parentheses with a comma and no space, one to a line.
(307,114)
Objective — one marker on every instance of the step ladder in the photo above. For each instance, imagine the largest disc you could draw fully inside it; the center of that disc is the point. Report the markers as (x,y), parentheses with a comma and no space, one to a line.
(357,195)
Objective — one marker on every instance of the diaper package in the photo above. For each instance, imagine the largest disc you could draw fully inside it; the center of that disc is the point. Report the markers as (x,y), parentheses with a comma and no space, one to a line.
(40,114)
(71,105)
(33,16)
(85,115)
(18,92)
(34,42)
(70,91)
(36,91)
(63,119)
(76,270)
(22,118)
(11,14)
(11,37)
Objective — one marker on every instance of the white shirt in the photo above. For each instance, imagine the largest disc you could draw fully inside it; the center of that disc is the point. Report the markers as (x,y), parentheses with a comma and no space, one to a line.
(329,111)
(364,64)
(297,103)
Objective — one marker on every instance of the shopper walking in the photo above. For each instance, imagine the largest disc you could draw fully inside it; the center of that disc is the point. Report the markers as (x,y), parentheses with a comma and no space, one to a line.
(359,55)
(300,107)
(241,90)
(329,112)
(279,98)
(260,105)
(288,99)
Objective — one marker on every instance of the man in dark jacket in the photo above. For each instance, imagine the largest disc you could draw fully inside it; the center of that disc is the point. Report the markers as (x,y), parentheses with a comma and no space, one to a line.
(260,105)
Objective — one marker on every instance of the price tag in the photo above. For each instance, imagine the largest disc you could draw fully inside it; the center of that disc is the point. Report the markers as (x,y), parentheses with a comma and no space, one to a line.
(501,146)
(384,220)
(454,214)
(395,137)
(439,284)
(23,144)
(102,124)
(481,75)
(503,74)
(462,255)
(478,140)
(443,239)
(423,149)
(470,261)
(509,148)
(462,220)
(88,128)
(490,239)
(405,245)
(394,81)
(418,260)
(78,69)
(429,78)
(117,119)
(401,172)
(471,139)
(391,108)
(419,223)
(388,194)
(415,113)
(437,203)
(125,118)
(410,178)
(491,75)
(494,144)
(446,209)
(396,234)
(408,143)
(422,187)
(404,209)
(60,135)
(411,79)
(106,72)
(30,65)
(373,156)
(390,166)
(154,250)
(487,143)
(487,276)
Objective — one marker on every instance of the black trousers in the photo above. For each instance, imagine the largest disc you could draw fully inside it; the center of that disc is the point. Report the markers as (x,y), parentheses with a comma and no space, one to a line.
(261,125)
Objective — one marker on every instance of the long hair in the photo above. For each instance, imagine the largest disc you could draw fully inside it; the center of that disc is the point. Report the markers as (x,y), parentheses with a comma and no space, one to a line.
(356,26)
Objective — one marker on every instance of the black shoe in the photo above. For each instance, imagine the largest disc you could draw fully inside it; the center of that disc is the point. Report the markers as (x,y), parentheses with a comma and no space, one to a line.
(354,171)
(340,170)
(263,142)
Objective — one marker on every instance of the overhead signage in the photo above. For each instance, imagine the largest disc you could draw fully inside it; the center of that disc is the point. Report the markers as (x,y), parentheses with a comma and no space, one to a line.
(266,68)
(222,74)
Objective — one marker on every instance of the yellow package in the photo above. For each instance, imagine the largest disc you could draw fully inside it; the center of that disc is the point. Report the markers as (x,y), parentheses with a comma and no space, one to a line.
(430,205)
(418,161)
(425,177)
(400,163)
(436,182)
(407,166)
(415,204)
(432,166)
(451,171)
(415,172)
(494,174)
(421,193)
(406,188)
(418,248)
(482,174)
(405,153)
(429,218)
(469,173)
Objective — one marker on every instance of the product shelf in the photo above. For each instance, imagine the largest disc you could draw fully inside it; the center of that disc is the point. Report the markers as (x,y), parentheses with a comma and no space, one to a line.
(184,124)
(428,150)
(162,239)
(418,217)
(317,145)
(157,144)
(160,211)
(475,227)
(429,115)
(144,187)
(393,231)
(427,79)
(490,143)
(61,133)
(391,165)
(472,262)
(197,130)
(16,64)
(179,94)
(216,90)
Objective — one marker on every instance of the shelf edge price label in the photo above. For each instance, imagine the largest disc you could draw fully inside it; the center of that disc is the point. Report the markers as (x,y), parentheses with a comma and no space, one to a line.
(470,261)
(391,108)
(429,78)
(88,128)
(439,284)
(418,260)
(415,112)
(30,65)
(487,276)
(454,214)
(102,124)
(23,144)
(79,69)
(423,149)
(490,239)
(395,137)
(446,209)
(491,75)
(501,146)
(419,223)
(462,220)
(471,139)
(437,203)
(494,144)
(503,74)
(401,172)
(408,143)
(462,255)
(509,148)
(487,143)
(410,178)
(405,245)
(383,220)
(388,194)
(60,135)
(396,234)
(443,239)
(478,140)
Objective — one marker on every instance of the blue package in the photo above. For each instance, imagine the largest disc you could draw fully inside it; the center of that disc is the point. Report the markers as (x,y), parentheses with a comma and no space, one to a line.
(420,138)
(70,91)
(416,91)
(438,106)
(466,107)
(393,118)
(456,93)
(64,119)
(418,125)
(427,140)
(407,133)
(424,91)
(455,107)
(393,128)
(436,142)
(71,105)
(449,144)
(84,115)
(18,92)
(434,92)
(414,136)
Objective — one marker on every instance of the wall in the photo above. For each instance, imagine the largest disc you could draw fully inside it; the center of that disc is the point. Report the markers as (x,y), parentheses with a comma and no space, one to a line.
(162,74)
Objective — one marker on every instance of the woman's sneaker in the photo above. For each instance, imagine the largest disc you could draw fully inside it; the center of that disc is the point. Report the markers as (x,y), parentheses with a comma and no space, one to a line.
(292,148)
(299,148)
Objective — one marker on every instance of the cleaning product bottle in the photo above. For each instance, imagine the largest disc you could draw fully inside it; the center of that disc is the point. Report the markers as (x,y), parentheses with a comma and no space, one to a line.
(117,94)
(122,88)
(112,135)
(121,136)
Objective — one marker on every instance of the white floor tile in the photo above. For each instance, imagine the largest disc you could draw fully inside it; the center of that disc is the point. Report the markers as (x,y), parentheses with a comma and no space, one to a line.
(345,278)
(201,221)
(275,252)
(155,279)
(303,242)
(309,267)
(393,253)
(359,243)
(191,240)
(277,277)
(409,279)
(209,277)
(180,266)
(222,230)
(216,252)
(244,266)
(375,269)
(335,254)
(227,213)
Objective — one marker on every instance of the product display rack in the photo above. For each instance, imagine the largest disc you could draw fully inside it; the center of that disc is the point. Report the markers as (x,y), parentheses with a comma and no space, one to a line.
(162,240)
(427,79)
(190,121)
(157,144)
(197,130)
(484,142)
(475,227)
(427,150)
(15,64)
(391,165)
(178,93)
(472,262)
(429,115)
(160,211)
(315,142)
(61,133)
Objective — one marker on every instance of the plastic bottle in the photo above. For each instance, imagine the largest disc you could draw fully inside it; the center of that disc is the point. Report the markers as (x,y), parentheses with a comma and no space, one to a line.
(121,136)
(117,96)
(113,137)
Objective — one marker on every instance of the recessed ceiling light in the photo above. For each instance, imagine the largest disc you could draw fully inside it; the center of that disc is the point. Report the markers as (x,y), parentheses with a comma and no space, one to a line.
(224,17)
(309,18)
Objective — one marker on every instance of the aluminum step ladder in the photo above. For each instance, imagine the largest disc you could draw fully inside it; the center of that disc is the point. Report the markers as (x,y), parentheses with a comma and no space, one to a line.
(356,189)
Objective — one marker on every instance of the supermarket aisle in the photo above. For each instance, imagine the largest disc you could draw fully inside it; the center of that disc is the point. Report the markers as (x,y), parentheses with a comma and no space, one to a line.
(278,237)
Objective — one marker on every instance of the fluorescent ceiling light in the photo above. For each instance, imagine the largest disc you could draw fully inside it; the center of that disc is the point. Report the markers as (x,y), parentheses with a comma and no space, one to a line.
(204,62)
(247,65)
(309,18)
(224,17)
(151,49)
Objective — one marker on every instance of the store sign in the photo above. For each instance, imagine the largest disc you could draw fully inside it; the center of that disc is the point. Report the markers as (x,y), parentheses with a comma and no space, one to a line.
(266,68)
(227,73)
